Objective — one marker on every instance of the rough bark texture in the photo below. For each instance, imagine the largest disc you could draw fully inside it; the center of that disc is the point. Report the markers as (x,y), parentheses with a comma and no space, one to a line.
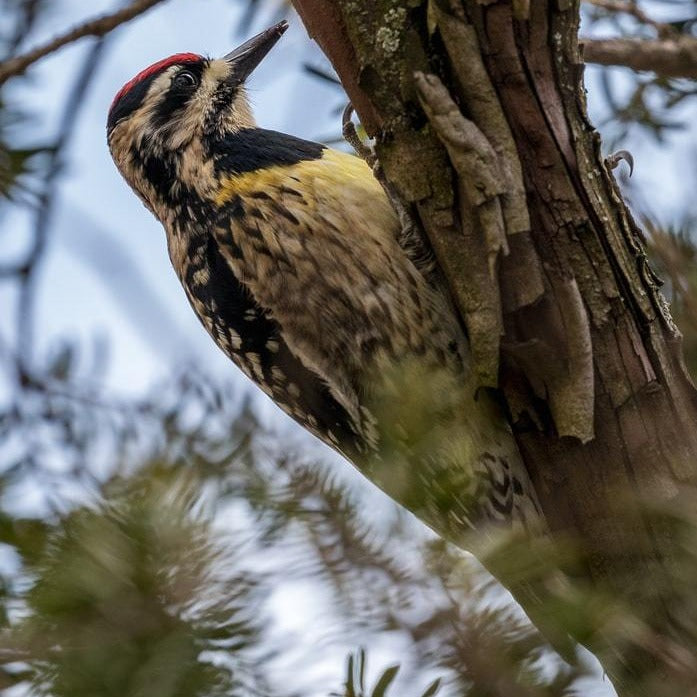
(545,265)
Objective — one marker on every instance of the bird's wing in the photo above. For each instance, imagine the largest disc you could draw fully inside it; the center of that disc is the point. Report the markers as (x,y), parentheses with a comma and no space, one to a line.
(253,340)
(315,239)
(312,236)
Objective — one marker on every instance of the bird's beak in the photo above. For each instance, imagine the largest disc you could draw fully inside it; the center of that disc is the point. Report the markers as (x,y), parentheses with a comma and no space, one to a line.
(246,57)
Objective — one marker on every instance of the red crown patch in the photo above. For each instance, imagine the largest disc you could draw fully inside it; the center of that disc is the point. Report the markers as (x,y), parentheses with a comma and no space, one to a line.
(155,68)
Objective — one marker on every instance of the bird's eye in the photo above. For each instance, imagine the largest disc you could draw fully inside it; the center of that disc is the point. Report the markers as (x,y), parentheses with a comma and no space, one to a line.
(185,79)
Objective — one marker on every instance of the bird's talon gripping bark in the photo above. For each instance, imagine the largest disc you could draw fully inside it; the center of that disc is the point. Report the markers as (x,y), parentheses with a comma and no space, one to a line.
(351,136)
(410,238)
(614,160)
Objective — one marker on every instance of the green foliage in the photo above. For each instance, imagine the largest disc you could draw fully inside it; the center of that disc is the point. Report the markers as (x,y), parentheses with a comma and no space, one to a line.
(126,597)
(132,592)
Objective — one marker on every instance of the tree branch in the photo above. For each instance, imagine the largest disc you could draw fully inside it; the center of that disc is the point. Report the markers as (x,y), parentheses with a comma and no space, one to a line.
(632,9)
(595,352)
(94,27)
(675,57)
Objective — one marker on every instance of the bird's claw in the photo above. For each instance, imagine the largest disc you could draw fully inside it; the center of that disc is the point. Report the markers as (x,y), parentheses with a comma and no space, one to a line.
(410,238)
(614,160)
(351,136)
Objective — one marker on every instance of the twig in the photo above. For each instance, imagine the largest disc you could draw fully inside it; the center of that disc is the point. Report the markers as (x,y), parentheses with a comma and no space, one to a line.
(94,27)
(27,17)
(666,57)
(632,9)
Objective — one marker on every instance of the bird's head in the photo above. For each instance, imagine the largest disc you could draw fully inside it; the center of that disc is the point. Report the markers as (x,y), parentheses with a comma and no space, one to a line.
(183,100)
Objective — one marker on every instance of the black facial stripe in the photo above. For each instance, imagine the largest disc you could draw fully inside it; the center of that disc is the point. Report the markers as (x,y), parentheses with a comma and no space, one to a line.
(256,148)
(161,174)
(131,100)
(177,97)
(159,171)
(220,103)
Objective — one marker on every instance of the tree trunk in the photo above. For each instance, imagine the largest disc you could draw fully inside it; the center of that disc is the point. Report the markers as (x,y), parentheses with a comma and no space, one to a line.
(569,324)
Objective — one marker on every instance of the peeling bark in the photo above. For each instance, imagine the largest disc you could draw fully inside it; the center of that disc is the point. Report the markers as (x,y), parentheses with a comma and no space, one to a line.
(482,231)
(492,147)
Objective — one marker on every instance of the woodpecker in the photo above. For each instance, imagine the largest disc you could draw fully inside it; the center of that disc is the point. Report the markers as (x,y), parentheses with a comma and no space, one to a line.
(293,259)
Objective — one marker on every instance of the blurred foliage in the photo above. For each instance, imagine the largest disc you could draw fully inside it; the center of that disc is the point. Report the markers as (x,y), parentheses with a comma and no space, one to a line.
(650,104)
(127,597)
(674,254)
(17,164)
(143,541)
(133,591)
(355,679)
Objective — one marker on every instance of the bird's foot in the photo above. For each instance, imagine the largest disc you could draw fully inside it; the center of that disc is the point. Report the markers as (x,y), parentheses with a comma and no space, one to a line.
(348,128)
(617,157)
(410,238)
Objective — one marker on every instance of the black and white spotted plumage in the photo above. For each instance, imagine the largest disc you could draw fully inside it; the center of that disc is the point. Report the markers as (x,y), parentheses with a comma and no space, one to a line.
(289,253)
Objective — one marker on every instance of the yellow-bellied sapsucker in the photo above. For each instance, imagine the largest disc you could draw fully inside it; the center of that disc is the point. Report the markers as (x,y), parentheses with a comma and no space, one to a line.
(290,254)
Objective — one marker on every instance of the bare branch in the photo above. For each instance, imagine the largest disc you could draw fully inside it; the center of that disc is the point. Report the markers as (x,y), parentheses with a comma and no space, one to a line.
(675,57)
(94,27)
(631,8)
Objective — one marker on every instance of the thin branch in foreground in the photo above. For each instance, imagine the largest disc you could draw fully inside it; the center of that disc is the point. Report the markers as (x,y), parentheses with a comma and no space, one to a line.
(666,57)
(94,27)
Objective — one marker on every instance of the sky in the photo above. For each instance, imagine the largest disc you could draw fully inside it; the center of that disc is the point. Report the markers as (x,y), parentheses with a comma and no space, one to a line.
(107,273)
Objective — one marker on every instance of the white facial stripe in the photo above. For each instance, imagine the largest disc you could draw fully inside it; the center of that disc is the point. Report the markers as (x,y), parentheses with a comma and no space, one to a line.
(156,92)
(217,70)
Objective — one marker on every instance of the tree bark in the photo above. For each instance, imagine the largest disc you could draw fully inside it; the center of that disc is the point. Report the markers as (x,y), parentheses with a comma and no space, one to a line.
(589,361)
